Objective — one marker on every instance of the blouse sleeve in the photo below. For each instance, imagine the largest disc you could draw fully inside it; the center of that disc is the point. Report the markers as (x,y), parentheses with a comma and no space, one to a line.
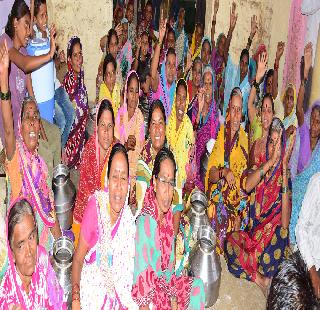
(89,223)
(146,261)
(14,173)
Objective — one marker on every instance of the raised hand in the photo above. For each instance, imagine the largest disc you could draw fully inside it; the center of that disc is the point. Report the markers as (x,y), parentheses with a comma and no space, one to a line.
(52,41)
(280,50)
(233,16)
(216,7)
(162,28)
(4,58)
(254,26)
(118,30)
(262,66)
(308,51)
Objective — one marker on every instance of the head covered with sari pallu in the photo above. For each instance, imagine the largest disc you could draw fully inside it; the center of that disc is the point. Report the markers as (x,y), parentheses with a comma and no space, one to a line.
(207,128)
(92,169)
(227,203)
(34,182)
(263,244)
(268,194)
(44,288)
(76,89)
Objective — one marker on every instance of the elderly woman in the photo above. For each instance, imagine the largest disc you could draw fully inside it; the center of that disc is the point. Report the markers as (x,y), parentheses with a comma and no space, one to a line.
(26,170)
(205,120)
(129,128)
(30,281)
(74,85)
(225,177)
(95,158)
(155,282)
(256,253)
(102,270)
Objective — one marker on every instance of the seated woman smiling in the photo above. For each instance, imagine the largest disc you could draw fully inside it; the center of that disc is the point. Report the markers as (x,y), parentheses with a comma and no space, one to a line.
(102,270)
(30,281)
(155,281)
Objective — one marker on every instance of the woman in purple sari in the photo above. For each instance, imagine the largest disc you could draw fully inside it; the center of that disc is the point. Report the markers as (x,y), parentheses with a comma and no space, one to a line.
(205,119)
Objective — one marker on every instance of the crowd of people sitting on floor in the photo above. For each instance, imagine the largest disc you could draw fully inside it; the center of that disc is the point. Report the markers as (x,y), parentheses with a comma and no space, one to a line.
(161,100)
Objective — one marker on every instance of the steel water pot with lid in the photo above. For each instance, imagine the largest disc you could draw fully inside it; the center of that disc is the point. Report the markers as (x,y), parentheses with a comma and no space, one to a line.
(64,195)
(204,263)
(198,211)
(63,250)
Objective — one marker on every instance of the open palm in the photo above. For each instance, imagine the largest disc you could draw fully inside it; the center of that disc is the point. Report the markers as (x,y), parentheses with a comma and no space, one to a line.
(4,58)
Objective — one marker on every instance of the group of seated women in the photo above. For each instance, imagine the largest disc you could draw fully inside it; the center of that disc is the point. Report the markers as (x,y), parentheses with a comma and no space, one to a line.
(156,115)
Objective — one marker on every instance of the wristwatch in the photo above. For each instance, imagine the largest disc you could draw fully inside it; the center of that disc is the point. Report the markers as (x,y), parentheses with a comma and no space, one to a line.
(5,96)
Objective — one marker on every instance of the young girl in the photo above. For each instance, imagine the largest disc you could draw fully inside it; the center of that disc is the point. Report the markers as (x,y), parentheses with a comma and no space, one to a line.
(64,113)
(109,88)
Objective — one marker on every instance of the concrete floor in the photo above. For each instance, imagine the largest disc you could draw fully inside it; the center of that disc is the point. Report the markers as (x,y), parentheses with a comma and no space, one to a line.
(236,294)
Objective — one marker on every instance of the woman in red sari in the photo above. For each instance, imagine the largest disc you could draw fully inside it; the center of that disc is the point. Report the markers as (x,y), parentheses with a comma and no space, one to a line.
(256,253)
(74,85)
(94,159)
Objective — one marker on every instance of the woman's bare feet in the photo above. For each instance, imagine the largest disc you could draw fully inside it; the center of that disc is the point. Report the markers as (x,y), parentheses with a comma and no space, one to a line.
(264,283)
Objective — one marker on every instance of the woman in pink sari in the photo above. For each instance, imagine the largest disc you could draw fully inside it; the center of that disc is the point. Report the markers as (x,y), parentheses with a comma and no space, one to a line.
(129,127)
(102,270)
(30,281)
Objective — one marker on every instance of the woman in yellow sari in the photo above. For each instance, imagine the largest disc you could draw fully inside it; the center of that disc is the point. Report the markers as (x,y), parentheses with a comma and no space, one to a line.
(180,138)
(225,178)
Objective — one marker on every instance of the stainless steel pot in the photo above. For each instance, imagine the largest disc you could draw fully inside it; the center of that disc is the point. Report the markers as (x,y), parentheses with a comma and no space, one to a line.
(197,213)
(63,251)
(204,263)
(64,195)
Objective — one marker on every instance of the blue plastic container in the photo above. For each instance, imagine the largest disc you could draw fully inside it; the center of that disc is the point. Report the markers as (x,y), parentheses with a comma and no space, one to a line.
(43,79)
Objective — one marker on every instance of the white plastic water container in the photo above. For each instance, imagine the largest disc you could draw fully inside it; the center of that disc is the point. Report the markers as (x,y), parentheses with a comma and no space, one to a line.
(43,79)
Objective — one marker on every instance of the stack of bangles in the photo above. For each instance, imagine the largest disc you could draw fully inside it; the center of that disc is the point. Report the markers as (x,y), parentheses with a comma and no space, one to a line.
(75,293)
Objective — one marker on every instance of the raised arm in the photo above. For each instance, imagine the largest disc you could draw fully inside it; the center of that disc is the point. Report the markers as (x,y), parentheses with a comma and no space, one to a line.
(279,53)
(156,56)
(306,65)
(233,21)
(214,20)
(254,28)
(262,68)
(6,109)
(30,63)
